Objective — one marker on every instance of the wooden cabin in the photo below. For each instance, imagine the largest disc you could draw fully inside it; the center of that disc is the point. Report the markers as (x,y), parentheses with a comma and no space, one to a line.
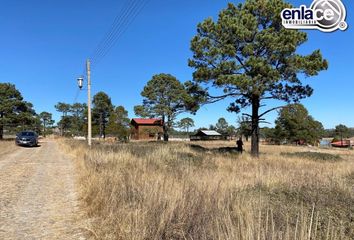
(206,135)
(146,129)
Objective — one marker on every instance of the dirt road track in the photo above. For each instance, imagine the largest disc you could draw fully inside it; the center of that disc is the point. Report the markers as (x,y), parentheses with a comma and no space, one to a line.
(37,194)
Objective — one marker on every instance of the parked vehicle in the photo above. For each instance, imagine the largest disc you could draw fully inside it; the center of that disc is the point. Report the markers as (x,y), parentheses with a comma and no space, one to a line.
(341,144)
(27,138)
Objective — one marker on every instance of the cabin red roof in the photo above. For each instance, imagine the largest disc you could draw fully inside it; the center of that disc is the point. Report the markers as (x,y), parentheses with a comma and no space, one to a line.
(147,121)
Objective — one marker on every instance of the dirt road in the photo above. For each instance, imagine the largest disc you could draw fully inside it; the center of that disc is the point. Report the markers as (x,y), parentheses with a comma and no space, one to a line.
(37,194)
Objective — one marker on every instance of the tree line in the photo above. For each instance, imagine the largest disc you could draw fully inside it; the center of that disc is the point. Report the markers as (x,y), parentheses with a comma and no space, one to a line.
(16,114)
(293,124)
(106,118)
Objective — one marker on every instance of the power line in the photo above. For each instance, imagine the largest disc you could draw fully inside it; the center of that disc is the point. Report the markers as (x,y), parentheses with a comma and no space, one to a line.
(111,31)
(122,21)
(117,25)
(78,91)
(128,13)
(76,95)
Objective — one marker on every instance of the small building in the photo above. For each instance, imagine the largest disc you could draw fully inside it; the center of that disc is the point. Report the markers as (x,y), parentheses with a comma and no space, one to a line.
(207,135)
(146,129)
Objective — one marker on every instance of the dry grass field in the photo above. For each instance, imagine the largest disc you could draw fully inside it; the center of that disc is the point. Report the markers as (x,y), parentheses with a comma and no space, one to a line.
(6,146)
(175,191)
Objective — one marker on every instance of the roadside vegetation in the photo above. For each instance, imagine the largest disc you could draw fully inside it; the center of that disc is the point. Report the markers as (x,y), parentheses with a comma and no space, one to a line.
(16,114)
(171,191)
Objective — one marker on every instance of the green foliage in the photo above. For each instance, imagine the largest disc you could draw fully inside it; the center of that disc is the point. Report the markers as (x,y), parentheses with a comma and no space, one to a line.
(231,130)
(248,55)
(342,131)
(185,124)
(317,156)
(46,120)
(331,133)
(245,126)
(74,118)
(107,119)
(28,119)
(64,108)
(294,124)
(118,123)
(165,97)
(15,113)
(269,134)
(66,125)
(211,127)
(65,122)
(102,108)
(140,110)
(222,126)
(79,115)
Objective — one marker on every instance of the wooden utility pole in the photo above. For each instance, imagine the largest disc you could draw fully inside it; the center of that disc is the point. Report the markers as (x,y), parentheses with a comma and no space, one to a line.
(89,126)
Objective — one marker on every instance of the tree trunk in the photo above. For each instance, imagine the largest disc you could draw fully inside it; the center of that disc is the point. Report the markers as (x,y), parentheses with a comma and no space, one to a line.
(165,133)
(165,130)
(1,131)
(44,128)
(104,129)
(255,127)
(1,126)
(101,125)
(62,126)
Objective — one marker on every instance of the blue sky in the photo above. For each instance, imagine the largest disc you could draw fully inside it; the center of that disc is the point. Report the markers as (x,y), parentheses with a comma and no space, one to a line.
(44,44)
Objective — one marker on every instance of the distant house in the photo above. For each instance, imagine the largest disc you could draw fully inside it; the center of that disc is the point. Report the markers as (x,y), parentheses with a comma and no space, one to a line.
(146,129)
(206,135)
(328,142)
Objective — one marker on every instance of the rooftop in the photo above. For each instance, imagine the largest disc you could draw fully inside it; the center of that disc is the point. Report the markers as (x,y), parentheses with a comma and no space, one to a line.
(147,120)
(210,132)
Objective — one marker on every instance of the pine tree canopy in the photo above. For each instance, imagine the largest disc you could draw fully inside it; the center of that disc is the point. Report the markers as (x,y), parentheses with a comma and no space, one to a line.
(248,55)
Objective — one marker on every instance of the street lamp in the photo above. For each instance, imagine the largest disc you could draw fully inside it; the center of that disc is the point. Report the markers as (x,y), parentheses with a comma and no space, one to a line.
(80,82)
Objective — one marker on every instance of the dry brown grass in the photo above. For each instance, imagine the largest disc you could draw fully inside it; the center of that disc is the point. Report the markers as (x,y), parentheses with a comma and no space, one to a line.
(6,146)
(173,191)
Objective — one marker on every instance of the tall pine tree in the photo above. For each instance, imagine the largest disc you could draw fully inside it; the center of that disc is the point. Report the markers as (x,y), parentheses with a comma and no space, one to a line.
(251,57)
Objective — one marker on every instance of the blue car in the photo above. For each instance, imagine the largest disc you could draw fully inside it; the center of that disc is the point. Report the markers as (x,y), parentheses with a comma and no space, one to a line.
(27,138)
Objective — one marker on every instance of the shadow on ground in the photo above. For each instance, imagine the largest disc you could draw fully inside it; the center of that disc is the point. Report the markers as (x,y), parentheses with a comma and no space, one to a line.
(25,146)
(199,148)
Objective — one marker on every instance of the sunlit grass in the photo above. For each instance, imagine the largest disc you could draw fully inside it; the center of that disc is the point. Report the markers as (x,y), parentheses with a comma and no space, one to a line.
(6,146)
(172,191)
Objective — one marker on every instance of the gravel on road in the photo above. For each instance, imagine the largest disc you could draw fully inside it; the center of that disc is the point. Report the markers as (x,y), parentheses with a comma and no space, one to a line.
(38,197)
